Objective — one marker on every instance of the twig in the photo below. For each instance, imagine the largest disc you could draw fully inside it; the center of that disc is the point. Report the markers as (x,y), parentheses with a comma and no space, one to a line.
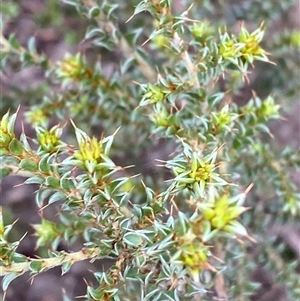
(49,263)
(128,51)
(220,283)
(194,82)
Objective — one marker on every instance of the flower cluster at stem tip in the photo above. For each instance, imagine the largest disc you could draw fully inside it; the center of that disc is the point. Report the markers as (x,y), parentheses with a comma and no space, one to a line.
(222,213)
(246,46)
(196,173)
(49,140)
(6,134)
(89,152)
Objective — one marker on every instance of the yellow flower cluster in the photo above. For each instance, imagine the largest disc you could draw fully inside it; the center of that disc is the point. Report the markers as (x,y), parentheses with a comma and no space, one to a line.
(202,173)
(6,133)
(221,213)
(89,150)
(48,140)
(246,46)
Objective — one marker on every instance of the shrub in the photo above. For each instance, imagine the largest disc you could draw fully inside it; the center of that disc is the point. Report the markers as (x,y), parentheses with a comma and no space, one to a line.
(183,227)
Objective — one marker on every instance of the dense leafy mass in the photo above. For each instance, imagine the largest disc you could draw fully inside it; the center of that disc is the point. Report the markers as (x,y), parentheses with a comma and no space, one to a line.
(186,229)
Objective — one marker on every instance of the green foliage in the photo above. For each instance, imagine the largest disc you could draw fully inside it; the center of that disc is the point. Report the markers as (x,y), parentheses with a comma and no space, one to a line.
(172,233)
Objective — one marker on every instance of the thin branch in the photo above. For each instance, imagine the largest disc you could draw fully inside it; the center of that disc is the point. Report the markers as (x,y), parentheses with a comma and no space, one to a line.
(194,82)
(219,282)
(144,66)
(128,51)
(15,170)
(49,263)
